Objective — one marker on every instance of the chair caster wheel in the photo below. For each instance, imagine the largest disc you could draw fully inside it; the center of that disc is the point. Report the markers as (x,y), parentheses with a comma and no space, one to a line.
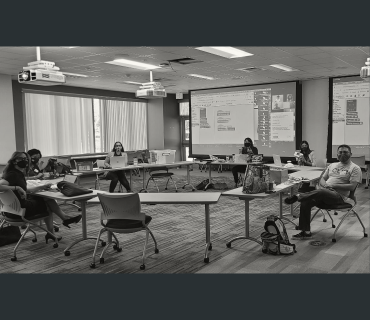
(23,227)
(335,213)
(206,260)
(142,267)
(324,220)
(67,253)
(13,259)
(365,235)
(333,226)
(103,243)
(228,245)
(165,188)
(193,190)
(92,265)
(34,240)
(55,245)
(296,227)
(101,260)
(119,249)
(156,251)
(176,190)
(210,248)
(183,187)
(56,229)
(334,240)
(264,250)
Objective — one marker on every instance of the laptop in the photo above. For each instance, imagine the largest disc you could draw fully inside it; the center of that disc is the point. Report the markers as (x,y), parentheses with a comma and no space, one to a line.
(84,166)
(277,160)
(43,162)
(118,162)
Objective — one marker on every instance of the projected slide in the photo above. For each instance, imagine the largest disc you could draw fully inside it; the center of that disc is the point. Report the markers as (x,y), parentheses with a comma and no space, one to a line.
(222,118)
(351,115)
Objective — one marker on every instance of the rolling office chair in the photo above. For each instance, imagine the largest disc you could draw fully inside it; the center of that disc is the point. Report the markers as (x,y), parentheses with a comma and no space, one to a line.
(346,206)
(122,213)
(9,203)
(101,176)
(159,175)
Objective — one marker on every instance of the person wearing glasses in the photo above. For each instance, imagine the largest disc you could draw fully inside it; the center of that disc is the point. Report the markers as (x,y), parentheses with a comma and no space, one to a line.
(339,179)
(14,178)
(118,175)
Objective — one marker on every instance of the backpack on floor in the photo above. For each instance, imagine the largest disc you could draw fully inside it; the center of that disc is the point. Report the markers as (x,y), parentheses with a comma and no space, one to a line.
(275,239)
(202,185)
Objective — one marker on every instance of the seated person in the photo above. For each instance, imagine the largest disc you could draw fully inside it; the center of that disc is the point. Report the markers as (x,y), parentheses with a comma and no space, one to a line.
(34,173)
(14,176)
(339,179)
(118,175)
(247,149)
(308,156)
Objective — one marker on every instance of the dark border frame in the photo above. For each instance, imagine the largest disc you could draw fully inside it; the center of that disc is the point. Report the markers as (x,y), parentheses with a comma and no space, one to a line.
(298,118)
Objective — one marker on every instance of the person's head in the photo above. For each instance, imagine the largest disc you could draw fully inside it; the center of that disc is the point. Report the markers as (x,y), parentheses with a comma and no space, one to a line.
(305,147)
(248,142)
(19,160)
(118,147)
(35,155)
(344,153)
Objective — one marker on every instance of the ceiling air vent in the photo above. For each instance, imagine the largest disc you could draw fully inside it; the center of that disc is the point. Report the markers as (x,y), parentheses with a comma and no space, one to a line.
(184,61)
(251,69)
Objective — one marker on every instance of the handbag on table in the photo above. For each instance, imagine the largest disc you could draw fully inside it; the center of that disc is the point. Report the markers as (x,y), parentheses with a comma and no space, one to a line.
(72,190)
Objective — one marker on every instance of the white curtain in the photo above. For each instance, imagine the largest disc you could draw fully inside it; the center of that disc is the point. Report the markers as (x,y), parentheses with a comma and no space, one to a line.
(123,121)
(59,125)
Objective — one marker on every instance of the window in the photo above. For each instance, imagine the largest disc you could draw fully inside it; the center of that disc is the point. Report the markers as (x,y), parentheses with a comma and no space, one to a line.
(184,109)
(60,125)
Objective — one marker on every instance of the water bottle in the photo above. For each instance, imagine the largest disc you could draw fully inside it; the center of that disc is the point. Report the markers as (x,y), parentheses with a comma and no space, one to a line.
(135,161)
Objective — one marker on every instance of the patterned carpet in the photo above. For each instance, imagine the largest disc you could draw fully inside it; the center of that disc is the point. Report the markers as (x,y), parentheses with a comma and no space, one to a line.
(179,231)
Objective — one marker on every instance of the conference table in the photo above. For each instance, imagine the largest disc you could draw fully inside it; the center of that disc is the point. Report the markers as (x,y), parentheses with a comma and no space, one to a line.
(309,175)
(58,196)
(180,198)
(144,166)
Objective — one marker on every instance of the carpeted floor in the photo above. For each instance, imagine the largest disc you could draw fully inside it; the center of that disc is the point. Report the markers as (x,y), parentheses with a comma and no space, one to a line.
(179,231)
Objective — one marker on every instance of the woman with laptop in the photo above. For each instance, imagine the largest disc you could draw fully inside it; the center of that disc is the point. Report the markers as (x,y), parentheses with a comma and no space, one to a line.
(118,175)
(248,148)
(14,178)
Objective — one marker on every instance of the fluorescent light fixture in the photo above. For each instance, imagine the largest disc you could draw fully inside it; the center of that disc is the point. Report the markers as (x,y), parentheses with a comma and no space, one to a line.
(69,47)
(200,76)
(133,64)
(226,52)
(133,82)
(283,67)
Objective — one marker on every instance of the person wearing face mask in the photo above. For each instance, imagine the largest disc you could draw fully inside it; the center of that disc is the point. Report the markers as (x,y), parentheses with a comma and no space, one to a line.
(338,180)
(118,175)
(34,173)
(248,148)
(308,156)
(16,172)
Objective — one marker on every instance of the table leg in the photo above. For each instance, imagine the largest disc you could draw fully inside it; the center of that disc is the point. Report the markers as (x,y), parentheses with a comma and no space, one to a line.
(84,230)
(144,178)
(188,179)
(210,177)
(281,209)
(246,218)
(131,179)
(208,234)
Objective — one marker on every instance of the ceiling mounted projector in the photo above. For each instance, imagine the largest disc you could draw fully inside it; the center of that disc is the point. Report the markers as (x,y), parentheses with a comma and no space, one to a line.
(365,71)
(44,73)
(151,90)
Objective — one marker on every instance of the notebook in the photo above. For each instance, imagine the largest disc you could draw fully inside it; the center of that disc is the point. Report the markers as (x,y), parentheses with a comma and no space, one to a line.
(118,162)
(277,160)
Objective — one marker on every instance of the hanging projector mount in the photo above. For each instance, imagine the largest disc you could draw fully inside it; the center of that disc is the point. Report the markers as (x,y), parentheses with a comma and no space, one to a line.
(151,90)
(365,71)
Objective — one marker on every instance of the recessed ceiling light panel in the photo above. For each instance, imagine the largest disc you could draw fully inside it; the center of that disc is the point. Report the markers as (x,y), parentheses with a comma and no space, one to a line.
(133,64)
(226,52)
(283,67)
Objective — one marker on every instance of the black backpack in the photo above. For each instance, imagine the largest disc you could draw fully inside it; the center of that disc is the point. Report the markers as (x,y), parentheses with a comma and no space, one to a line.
(275,239)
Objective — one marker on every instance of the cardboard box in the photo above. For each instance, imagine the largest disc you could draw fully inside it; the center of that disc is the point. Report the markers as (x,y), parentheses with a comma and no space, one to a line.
(279,176)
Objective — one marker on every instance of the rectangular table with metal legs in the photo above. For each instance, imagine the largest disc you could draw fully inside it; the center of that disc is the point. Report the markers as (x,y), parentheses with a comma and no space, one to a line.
(182,198)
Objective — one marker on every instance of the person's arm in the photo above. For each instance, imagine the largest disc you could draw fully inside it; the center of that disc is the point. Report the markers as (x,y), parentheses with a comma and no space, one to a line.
(354,180)
(38,176)
(33,189)
(255,150)
(313,159)
(324,178)
(4,186)
(107,161)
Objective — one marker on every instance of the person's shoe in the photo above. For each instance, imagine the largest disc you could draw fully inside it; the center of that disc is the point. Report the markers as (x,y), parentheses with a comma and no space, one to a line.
(48,236)
(236,185)
(75,219)
(291,200)
(302,236)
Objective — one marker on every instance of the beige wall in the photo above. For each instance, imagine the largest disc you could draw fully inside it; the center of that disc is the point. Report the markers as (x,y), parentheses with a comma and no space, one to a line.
(315,108)
(7,127)
(155,124)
